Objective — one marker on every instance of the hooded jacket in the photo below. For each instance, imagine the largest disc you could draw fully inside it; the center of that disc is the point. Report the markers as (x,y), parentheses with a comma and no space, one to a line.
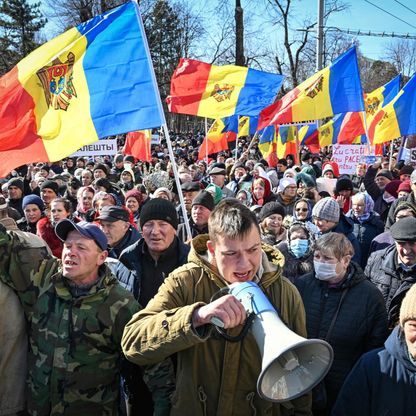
(345,226)
(383,382)
(214,377)
(361,324)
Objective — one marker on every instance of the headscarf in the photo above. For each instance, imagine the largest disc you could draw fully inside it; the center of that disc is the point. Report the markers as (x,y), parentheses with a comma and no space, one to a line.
(368,206)
(309,213)
(265,183)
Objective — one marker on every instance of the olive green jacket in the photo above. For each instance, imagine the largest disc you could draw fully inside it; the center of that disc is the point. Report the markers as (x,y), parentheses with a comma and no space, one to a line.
(75,352)
(214,377)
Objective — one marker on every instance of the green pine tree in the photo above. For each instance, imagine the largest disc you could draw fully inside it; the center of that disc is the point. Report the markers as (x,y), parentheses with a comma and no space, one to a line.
(19,24)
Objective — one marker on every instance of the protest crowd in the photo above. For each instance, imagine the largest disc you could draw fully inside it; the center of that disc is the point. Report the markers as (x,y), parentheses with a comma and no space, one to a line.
(346,242)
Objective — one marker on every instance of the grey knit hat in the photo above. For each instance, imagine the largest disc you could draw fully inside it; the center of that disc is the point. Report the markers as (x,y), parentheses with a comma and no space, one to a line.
(327,209)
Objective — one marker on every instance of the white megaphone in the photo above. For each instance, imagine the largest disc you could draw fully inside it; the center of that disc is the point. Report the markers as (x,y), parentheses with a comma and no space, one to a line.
(291,365)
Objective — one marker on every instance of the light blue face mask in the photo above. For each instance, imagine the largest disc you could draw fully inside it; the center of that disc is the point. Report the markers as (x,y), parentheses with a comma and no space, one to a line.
(299,247)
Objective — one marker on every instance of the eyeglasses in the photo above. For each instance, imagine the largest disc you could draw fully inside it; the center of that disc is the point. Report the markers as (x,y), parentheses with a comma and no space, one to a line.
(301,209)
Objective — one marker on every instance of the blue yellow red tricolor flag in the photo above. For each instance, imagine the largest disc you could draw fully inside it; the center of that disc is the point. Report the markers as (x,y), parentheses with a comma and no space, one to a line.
(206,90)
(217,139)
(397,118)
(93,81)
(333,90)
(342,129)
(247,126)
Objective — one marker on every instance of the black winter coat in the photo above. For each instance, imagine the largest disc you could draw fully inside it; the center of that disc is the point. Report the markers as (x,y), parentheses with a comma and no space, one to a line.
(392,281)
(361,324)
(382,383)
(366,232)
(346,227)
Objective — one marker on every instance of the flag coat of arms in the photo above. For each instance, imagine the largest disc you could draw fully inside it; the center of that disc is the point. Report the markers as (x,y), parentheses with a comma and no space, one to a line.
(206,90)
(93,81)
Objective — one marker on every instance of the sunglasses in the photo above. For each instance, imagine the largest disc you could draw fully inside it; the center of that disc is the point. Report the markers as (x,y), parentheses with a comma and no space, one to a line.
(301,209)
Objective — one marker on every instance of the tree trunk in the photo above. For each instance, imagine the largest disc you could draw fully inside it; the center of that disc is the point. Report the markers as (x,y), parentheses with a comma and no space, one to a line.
(239,35)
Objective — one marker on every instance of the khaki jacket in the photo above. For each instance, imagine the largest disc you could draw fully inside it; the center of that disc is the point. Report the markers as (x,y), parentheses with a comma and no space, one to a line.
(214,377)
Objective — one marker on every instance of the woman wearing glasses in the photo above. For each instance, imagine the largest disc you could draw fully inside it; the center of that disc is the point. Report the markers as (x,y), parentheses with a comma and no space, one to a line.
(302,212)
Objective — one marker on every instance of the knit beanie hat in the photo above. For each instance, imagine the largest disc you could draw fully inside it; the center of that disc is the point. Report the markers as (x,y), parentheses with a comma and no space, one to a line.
(205,199)
(101,166)
(271,208)
(392,187)
(118,158)
(326,209)
(50,185)
(134,193)
(33,199)
(307,180)
(344,184)
(16,182)
(408,308)
(386,173)
(405,187)
(159,209)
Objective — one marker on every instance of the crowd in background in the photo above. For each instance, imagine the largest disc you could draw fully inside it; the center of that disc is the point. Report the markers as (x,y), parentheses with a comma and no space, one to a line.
(348,242)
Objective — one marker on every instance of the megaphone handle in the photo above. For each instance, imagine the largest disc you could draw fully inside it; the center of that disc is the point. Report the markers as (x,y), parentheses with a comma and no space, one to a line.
(238,337)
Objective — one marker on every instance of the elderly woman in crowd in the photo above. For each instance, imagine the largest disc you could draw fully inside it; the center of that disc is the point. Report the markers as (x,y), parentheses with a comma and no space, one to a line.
(302,212)
(163,193)
(134,201)
(261,191)
(367,223)
(297,250)
(343,308)
(271,223)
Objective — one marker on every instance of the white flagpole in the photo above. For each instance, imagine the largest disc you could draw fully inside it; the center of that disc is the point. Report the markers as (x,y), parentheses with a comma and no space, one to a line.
(206,141)
(164,125)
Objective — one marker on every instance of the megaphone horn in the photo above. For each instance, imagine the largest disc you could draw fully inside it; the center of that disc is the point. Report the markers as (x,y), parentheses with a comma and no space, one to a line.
(291,365)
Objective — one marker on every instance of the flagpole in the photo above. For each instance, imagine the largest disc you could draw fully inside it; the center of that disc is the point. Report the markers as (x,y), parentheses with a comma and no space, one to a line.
(164,125)
(391,154)
(206,141)
(366,132)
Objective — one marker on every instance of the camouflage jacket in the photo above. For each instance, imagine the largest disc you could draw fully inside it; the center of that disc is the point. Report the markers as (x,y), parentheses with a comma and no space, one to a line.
(74,355)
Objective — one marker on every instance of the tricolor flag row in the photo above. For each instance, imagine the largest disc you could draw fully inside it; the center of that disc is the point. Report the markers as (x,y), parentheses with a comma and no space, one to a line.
(97,80)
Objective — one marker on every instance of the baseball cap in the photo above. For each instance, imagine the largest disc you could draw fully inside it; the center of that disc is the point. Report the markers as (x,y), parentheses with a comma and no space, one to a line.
(87,229)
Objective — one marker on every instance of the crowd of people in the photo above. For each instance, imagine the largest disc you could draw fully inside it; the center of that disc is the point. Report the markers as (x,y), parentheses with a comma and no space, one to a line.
(107,296)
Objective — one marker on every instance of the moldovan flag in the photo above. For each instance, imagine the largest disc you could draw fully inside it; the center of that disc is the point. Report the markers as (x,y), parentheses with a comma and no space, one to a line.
(138,144)
(247,126)
(342,129)
(333,90)
(268,144)
(308,136)
(205,90)
(93,81)
(216,140)
(286,141)
(397,118)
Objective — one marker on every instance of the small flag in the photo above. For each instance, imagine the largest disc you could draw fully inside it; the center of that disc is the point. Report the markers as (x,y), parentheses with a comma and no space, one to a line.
(333,90)
(138,144)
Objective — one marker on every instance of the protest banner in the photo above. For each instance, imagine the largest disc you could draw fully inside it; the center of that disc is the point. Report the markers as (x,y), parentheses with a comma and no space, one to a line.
(348,156)
(107,147)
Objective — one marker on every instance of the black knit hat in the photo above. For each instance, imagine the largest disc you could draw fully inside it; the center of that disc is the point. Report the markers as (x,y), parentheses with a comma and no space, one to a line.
(101,166)
(50,185)
(271,208)
(344,184)
(159,209)
(205,199)
(16,182)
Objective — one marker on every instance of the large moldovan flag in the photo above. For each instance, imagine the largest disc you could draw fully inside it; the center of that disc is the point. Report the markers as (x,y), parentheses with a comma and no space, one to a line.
(93,81)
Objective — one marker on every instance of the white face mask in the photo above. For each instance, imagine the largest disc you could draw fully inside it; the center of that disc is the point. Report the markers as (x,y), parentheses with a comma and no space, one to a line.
(324,271)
